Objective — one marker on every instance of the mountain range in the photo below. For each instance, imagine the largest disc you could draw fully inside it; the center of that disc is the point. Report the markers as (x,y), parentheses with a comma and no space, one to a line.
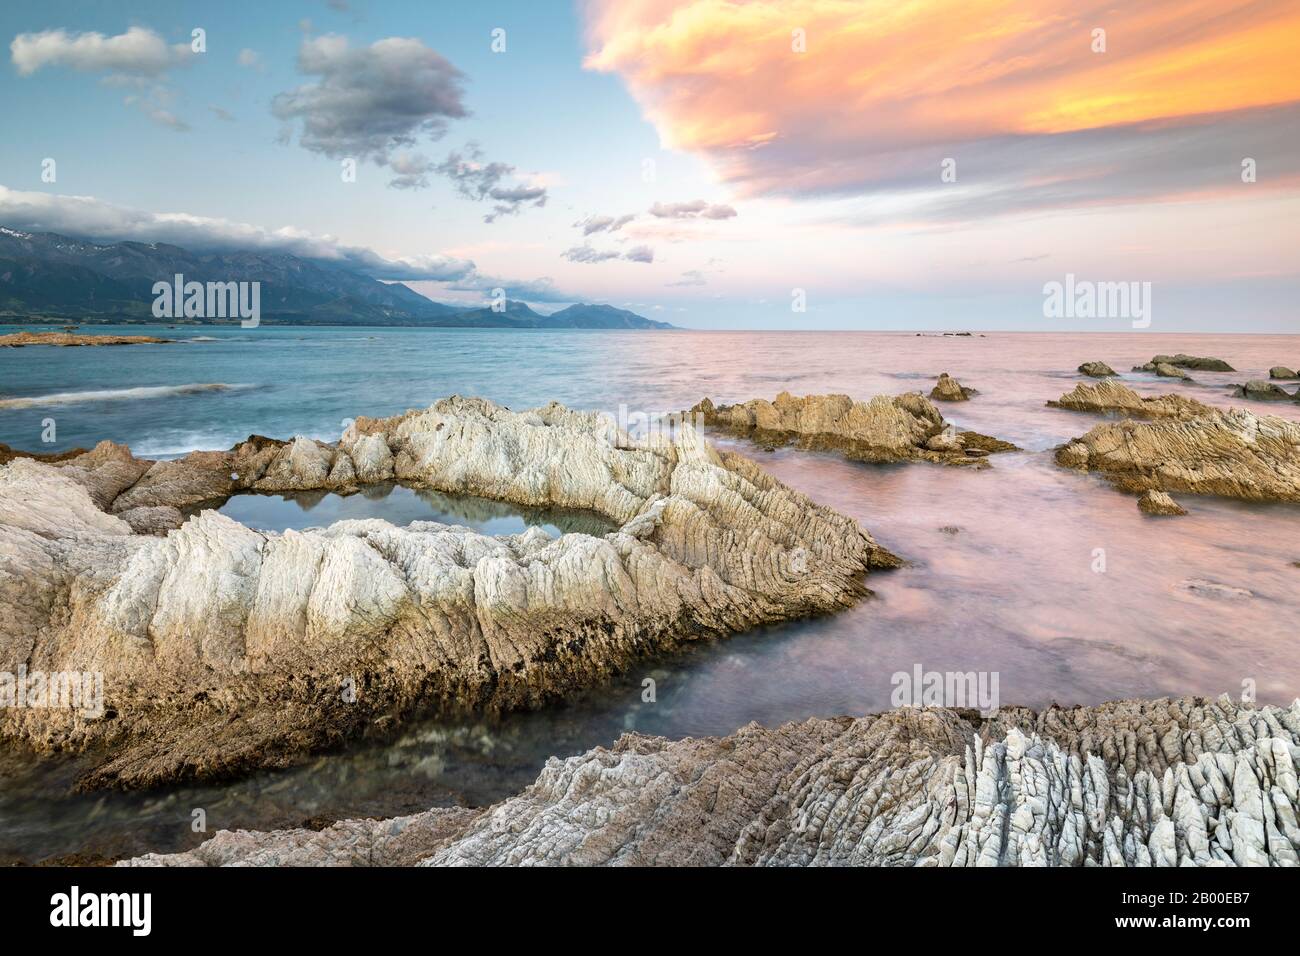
(50,277)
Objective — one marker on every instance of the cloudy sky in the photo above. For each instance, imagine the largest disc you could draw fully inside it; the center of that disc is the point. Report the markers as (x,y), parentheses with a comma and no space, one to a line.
(924,165)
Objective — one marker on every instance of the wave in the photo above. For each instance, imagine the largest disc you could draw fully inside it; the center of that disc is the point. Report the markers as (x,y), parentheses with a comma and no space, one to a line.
(119,394)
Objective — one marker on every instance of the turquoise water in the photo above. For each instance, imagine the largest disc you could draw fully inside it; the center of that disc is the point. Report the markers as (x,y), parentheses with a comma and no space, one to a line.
(1012,589)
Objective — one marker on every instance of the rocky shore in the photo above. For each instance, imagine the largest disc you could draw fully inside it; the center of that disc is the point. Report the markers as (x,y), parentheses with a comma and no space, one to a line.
(1188,447)
(1191,781)
(225,649)
(1113,396)
(887,428)
(20,339)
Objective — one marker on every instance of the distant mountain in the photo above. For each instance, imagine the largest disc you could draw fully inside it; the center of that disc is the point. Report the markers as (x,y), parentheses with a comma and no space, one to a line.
(517,315)
(49,276)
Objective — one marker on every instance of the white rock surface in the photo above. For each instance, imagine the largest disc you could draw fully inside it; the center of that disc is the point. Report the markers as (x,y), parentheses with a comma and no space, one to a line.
(225,648)
(1132,783)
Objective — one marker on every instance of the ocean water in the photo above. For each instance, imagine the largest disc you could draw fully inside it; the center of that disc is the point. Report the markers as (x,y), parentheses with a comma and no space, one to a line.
(1003,562)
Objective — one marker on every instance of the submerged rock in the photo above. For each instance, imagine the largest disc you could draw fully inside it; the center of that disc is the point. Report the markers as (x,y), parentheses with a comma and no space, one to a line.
(224,649)
(888,428)
(948,389)
(1181,360)
(1262,390)
(1233,453)
(1159,503)
(1097,369)
(1164,782)
(1115,397)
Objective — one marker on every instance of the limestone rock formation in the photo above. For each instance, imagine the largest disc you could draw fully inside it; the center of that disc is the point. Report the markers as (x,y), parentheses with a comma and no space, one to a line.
(948,389)
(17,340)
(1131,783)
(1281,371)
(1110,396)
(223,648)
(1233,453)
(888,428)
(1181,360)
(1262,390)
(1159,503)
(1097,369)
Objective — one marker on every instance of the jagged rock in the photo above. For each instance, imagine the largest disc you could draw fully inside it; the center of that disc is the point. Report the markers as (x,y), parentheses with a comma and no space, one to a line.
(948,389)
(1159,503)
(225,649)
(1097,369)
(1165,782)
(1233,453)
(1281,371)
(885,429)
(1186,361)
(1262,390)
(1111,396)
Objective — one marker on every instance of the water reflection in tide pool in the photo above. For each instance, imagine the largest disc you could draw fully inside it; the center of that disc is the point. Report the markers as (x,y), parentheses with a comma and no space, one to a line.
(400,505)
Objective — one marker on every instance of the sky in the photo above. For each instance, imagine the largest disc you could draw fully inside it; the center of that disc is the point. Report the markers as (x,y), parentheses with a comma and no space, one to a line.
(774,164)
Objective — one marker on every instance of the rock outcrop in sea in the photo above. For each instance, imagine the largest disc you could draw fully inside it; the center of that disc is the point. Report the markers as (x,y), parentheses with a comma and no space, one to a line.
(1189,781)
(1262,390)
(1282,372)
(1233,453)
(1203,363)
(1112,396)
(1097,369)
(224,649)
(948,389)
(1159,503)
(16,340)
(887,428)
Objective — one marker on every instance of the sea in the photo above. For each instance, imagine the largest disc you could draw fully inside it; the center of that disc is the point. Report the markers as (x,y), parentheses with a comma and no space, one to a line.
(1048,579)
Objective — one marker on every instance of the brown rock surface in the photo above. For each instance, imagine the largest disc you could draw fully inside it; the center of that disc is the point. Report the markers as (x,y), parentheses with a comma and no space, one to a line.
(948,389)
(904,427)
(20,339)
(1112,396)
(1233,453)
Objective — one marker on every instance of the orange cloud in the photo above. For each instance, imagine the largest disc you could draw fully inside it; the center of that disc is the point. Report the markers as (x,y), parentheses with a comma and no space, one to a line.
(882,81)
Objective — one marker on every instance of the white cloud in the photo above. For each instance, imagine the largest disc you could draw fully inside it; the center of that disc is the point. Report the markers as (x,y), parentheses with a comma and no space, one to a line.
(90,218)
(589,255)
(138,52)
(693,209)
